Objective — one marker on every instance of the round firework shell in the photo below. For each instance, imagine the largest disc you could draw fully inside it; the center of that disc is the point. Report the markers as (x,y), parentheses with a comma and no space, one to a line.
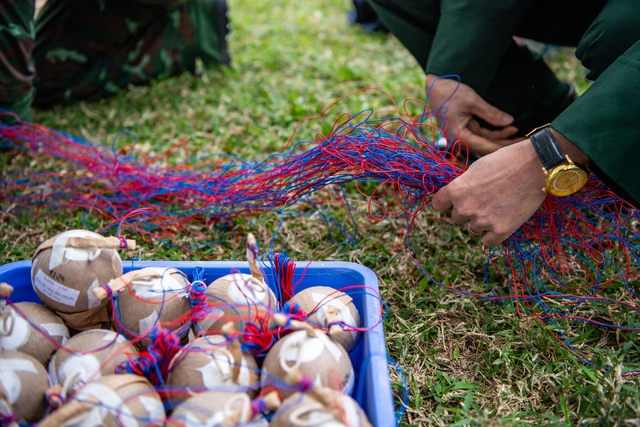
(320,407)
(217,408)
(89,355)
(67,267)
(325,305)
(153,295)
(313,354)
(18,333)
(111,401)
(238,298)
(208,363)
(23,384)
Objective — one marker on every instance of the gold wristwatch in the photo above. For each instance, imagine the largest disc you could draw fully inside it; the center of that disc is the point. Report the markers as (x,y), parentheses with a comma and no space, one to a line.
(563,176)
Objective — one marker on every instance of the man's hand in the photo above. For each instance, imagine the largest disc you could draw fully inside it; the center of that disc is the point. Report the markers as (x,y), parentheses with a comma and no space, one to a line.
(459,103)
(497,194)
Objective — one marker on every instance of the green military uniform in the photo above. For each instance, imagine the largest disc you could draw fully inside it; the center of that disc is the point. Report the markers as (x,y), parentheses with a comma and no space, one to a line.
(473,39)
(88,49)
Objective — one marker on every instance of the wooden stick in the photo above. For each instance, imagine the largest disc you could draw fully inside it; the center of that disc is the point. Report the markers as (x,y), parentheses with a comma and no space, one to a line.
(5,290)
(333,316)
(66,412)
(251,258)
(119,283)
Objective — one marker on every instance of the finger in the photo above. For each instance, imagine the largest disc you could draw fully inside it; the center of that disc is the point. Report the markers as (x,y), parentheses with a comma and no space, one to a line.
(441,200)
(478,144)
(474,230)
(474,126)
(458,218)
(492,239)
(489,113)
(496,134)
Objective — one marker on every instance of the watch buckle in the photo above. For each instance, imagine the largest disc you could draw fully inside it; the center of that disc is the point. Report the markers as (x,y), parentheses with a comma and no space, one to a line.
(537,129)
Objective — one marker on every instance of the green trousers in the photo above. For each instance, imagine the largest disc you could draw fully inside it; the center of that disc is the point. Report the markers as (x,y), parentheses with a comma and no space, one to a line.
(88,49)
(474,39)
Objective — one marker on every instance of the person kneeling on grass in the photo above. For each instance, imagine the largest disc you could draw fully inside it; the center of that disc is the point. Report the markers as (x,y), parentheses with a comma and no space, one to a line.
(505,91)
(89,49)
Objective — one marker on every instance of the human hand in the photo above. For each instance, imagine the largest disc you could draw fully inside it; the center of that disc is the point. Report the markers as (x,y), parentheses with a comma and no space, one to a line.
(458,103)
(497,194)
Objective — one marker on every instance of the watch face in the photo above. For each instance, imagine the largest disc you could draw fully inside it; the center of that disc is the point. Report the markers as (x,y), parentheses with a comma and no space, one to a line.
(566,180)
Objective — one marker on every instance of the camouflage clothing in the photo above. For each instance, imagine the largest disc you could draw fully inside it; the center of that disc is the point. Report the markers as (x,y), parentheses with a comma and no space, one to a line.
(88,49)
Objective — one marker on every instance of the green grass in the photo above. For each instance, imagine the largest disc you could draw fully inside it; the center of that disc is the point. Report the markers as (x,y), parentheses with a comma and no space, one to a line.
(468,362)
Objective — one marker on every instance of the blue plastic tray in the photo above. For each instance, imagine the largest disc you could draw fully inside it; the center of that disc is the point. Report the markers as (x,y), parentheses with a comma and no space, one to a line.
(372,388)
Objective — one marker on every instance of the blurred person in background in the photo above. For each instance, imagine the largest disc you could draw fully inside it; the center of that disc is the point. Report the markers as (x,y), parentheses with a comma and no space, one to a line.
(75,50)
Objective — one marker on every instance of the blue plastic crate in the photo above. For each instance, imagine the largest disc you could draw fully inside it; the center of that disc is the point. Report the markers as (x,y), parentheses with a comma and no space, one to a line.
(372,388)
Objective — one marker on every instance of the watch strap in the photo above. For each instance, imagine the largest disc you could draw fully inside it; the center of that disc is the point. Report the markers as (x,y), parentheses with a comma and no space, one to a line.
(547,147)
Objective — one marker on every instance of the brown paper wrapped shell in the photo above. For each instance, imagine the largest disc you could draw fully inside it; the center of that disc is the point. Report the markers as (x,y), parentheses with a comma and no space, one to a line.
(313,354)
(66,268)
(111,401)
(16,333)
(238,298)
(326,305)
(217,408)
(88,356)
(320,407)
(208,363)
(153,295)
(23,384)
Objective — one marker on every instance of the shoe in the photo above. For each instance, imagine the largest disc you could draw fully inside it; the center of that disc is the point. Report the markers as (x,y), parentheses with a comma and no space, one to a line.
(364,15)
(223,27)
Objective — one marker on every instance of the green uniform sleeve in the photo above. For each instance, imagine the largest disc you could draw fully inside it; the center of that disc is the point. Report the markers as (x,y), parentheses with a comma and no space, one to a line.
(604,123)
(472,38)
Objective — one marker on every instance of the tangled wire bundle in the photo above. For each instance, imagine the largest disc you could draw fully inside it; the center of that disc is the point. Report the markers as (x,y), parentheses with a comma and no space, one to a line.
(591,235)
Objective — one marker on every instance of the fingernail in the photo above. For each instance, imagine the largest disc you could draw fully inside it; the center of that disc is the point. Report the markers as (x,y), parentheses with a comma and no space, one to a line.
(506,118)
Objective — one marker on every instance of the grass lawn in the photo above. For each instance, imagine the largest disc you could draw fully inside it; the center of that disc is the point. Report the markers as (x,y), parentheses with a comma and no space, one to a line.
(467,361)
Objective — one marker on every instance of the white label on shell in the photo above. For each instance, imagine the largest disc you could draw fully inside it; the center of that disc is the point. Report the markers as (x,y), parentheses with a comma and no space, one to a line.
(11,384)
(351,410)
(92,418)
(51,370)
(154,408)
(192,421)
(56,329)
(244,377)
(20,365)
(157,288)
(299,348)
(211,376)
(109,402)
(54,290)
(10,380)
(226,362)
(110,336)
(92,301)
(86,365)
(343,310)
(308,349)
(148,322)
(59,251)
(246,289)
(314,414)
(20,331)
